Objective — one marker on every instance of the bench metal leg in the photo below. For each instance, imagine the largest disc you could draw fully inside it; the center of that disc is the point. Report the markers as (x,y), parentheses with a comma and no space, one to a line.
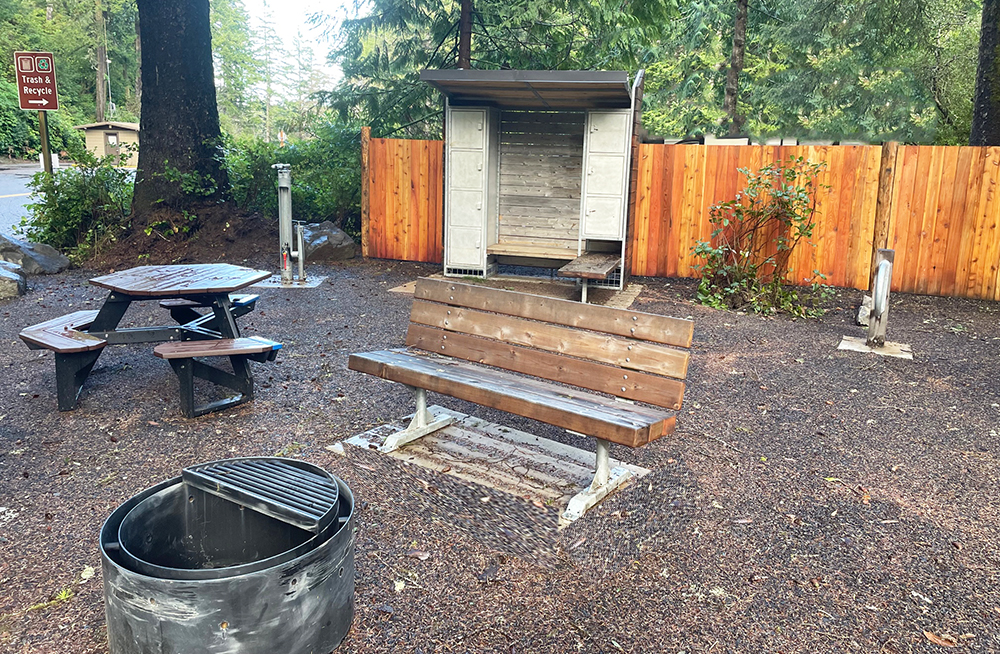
(606,480)
(241,381)
(583,294)
(72,370)
(422,423)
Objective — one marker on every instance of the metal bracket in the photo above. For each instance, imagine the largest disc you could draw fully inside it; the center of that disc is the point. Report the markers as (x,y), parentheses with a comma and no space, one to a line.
(422,423)
(606,480)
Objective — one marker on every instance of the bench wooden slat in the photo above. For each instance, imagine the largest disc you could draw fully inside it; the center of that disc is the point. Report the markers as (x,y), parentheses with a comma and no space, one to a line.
(645,326)
(62,334)
(215,348)
(591,265)
(638,386)
(626,353)
(556,405)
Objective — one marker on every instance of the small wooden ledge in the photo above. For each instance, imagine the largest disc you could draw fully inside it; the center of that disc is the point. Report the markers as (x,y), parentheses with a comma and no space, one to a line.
(532,250)
(591,265)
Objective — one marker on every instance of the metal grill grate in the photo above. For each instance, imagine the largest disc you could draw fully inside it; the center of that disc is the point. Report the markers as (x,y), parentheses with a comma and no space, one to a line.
(274,487)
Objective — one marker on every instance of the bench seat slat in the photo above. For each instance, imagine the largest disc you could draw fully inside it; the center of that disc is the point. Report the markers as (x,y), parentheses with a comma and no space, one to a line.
(647,326)
(62,334)
(215,348)
(564,407)
(638,386)
(591,265)
(626,353)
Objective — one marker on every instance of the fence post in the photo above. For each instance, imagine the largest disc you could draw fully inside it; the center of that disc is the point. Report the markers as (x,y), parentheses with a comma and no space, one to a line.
(883,207)
(366,140)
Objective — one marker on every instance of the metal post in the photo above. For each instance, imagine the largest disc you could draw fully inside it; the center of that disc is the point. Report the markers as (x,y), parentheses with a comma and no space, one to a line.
(43,134)
(878,319)
(420,417)
(602,471)
(285,219)
(300,254)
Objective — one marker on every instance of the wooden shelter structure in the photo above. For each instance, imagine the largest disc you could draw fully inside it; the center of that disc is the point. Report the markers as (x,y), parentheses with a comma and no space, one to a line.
(105,139)
(537,169)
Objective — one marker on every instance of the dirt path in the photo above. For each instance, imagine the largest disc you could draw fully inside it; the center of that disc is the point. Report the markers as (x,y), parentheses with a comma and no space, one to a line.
(811,501)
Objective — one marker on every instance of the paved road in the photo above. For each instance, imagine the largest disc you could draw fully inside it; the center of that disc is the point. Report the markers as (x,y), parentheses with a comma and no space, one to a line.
(14,192)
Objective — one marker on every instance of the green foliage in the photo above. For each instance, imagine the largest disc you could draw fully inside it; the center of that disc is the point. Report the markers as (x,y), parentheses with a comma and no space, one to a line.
(755,234)
(80,209)
(326,176)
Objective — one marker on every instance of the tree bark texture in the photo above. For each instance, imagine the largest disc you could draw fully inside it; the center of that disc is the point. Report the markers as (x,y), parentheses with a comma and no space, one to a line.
(180,162)
(101,96)
(729,104)
(986,104)
(138,57)
(465,35)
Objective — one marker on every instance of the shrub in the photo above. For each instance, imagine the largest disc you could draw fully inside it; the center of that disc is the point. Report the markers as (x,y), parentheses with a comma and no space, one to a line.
(82,208)
(755,234)
(326,176)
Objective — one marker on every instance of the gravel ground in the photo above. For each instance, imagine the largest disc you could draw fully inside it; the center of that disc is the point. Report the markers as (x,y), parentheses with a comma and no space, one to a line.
(811,500)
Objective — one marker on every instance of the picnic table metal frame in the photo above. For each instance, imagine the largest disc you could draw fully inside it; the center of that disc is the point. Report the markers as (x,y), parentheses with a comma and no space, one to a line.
(72,369)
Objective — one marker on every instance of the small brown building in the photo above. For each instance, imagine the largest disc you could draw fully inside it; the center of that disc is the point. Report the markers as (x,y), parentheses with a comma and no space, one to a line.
(109,137)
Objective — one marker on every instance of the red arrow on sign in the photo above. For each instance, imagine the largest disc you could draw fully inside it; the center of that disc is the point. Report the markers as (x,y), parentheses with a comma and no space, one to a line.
(36,80)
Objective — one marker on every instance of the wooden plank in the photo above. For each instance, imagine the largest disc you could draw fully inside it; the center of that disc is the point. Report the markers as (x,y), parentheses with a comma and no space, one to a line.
(637,386)
(61,334)
(591,265)
(621,322)
(533,250)
(555,405)
(183,279)
(215,348)
(366,137)
(616,350)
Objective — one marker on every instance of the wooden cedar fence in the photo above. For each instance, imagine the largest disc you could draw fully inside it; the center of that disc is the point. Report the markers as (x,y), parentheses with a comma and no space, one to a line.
(402,210)
(936,206)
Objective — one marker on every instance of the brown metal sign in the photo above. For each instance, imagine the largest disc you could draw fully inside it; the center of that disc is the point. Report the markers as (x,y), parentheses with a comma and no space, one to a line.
(36,80)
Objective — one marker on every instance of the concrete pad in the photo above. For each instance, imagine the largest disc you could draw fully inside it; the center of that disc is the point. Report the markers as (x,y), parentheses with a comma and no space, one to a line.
(274,281)
(515,462)
(856,344)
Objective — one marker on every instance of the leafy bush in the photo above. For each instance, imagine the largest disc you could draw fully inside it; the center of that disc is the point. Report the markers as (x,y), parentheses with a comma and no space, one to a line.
(82,208)
(326,176)
(755,234)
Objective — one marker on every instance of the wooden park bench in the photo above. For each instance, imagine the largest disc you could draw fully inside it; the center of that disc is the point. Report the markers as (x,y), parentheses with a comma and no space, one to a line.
(522,354)
(240,352)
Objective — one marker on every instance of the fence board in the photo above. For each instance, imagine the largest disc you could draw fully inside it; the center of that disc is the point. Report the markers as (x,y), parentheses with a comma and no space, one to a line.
(405,187)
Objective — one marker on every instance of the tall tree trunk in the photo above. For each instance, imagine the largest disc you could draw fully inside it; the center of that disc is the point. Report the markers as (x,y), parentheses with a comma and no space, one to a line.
(465,35)
(179,134)
(100,28)
(138,69)
(735,68)
(986,105)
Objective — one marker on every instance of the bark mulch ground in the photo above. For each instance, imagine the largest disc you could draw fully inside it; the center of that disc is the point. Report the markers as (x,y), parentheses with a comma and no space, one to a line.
(811,500)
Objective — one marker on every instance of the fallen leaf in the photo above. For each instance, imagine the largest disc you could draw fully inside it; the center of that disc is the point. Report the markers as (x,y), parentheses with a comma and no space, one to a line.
(88,573)
(399,586)
(418,554)
(944,640)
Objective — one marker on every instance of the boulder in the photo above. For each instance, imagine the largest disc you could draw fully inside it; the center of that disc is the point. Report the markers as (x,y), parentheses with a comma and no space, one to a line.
(33,258)
(12,281)
(327,242)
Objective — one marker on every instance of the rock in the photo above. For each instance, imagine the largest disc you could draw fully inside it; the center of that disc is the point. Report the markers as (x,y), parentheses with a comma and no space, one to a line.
(327,242)
(33,258)
(864,311)
(12,281)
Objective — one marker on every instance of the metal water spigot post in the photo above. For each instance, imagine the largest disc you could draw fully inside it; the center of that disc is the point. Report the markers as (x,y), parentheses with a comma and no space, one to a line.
(285,229)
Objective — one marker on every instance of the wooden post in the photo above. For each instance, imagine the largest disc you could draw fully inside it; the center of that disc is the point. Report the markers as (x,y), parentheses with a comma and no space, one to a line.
(366,141)
(883,207)
(43,135)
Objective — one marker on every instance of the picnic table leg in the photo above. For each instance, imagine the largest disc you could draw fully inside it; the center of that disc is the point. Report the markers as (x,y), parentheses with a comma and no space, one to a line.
(111,313)
(222,308)
(240,380)
(606,479)
(422,423)
(72,370)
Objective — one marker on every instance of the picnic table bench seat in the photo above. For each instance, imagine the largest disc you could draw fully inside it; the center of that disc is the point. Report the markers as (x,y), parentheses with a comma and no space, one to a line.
(182,310)
(524,354)
(182,358)
(76,351)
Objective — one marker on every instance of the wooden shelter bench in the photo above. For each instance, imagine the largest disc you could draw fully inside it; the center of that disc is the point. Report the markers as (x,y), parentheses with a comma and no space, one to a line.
(75,350)
(591,265)
(240,352)
(521,353)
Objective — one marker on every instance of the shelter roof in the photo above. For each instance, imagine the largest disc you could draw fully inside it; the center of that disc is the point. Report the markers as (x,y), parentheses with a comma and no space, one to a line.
(533,89)
(109,125)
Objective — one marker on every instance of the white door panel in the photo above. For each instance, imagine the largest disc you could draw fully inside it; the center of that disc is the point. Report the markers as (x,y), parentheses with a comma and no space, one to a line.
(467,169)
(467,130)
(602,217)
(605,174)
(465,247)
(466,208)
(608,132)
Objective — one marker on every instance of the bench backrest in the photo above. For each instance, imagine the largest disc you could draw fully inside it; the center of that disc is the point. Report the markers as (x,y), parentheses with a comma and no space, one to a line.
(629,354)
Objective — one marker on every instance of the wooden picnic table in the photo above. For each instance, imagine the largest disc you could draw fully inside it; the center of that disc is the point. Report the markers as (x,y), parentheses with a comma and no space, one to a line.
(78,338)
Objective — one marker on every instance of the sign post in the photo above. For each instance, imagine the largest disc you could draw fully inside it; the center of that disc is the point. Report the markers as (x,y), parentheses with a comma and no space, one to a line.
(36,90)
